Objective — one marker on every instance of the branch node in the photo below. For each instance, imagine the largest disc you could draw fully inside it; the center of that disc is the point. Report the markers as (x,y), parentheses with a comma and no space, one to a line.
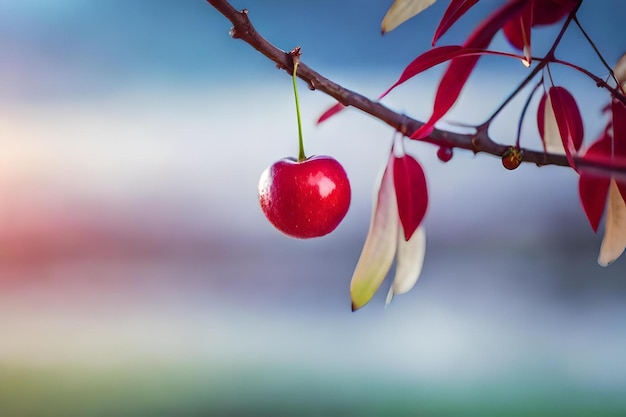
(404,130)
(295,54)
(234,32)
(475,144)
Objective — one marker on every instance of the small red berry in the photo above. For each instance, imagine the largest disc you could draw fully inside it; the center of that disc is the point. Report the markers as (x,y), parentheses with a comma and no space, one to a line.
(512,158)
(444,153)
(305,199)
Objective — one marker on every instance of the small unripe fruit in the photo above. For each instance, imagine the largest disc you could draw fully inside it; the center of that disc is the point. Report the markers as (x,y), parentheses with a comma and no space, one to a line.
(444,153)
(512,158)
(305,199)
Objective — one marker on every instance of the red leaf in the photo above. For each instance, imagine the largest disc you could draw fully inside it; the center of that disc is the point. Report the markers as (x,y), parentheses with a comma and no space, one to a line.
(609,150)
(604,165)
(423,62)
(411,193)
(331,112)
(594,187)
(541,119)
(437,56)
(547,12)
(459,70)
(569,121)
(455,10)
(517,31)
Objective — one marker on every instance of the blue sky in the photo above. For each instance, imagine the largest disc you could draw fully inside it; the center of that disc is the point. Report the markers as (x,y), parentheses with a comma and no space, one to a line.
(105,45)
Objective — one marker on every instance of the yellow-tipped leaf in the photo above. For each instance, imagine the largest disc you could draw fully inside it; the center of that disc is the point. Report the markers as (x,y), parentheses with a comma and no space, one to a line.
(614,241)
(380,245)
(401,11)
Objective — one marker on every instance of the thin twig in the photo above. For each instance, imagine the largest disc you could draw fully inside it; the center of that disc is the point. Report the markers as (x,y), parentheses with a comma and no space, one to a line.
(542,63)
(595,49)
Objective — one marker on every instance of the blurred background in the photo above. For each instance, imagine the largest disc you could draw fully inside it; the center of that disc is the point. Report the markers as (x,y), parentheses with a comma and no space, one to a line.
(138,276)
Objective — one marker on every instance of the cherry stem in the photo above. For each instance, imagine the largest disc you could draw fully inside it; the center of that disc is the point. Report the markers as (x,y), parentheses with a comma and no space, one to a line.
(524,110)
(295,55)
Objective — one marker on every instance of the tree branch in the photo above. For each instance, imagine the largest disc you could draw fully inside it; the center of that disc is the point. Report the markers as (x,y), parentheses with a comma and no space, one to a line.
(477,142)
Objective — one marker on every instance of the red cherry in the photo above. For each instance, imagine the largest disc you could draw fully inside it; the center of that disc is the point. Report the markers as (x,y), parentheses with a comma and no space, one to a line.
(305,199)
(444,153)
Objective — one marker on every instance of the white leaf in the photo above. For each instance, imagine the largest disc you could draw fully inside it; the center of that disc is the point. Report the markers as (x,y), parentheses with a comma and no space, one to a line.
(409,262)
(380,245)
(401,11)
(552,135)
(614,241)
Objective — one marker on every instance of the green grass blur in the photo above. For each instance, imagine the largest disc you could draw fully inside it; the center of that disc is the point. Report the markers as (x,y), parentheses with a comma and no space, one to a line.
(206,391)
